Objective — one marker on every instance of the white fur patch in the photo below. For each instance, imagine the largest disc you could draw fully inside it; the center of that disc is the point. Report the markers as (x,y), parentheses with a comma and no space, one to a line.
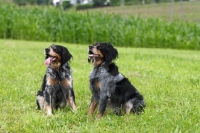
(40,100)
(128,107)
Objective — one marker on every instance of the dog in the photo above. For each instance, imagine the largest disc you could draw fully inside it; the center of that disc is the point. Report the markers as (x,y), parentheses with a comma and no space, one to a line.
(108,86)
(57,87)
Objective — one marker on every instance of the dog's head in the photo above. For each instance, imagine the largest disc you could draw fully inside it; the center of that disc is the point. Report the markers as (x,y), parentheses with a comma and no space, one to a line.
(101,52)
(56,56)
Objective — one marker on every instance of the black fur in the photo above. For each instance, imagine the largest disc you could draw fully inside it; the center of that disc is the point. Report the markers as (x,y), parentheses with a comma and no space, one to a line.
(109,52)
(115,89)
(54,91)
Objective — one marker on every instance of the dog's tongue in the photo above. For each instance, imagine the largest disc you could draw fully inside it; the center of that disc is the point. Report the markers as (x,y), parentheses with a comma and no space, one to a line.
(47,61)
(91,55)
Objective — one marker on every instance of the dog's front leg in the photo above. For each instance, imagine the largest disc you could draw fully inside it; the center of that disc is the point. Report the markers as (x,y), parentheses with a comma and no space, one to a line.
(40,100)
(67,89)
(93,106)
(102,104)
(53,100)
(71,99)
(50,98)
(47,97)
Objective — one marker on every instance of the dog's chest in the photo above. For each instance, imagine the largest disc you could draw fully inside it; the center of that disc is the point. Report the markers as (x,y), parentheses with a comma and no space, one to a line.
(102,80)
(62,73)
(98,77)
(63,77)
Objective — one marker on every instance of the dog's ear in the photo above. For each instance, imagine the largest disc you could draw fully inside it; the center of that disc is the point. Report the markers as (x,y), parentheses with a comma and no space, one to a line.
(110,53)
(66,56)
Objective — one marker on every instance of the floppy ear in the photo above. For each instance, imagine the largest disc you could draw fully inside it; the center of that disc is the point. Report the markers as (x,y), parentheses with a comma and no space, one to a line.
(66,56)
(110,53)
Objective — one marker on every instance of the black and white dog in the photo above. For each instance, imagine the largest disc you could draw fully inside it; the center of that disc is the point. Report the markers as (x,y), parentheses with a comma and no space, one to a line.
(108,86)
(57,86)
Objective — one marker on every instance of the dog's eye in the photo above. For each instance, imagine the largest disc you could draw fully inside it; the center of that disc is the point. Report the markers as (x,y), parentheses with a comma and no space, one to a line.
(99,46)
(54,48)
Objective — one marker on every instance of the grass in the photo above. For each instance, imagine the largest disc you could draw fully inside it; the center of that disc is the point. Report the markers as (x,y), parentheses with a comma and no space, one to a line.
(162,10)
(168,79)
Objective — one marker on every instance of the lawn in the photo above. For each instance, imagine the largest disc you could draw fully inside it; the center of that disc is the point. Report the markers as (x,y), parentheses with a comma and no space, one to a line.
(189,11)
(168,79)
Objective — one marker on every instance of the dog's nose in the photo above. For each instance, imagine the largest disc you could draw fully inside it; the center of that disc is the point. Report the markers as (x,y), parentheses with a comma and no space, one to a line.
(47,49)
(90,47)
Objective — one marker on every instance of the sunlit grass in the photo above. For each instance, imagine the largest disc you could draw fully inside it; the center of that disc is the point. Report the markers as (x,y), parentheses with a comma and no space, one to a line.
(188,12)
(168,79)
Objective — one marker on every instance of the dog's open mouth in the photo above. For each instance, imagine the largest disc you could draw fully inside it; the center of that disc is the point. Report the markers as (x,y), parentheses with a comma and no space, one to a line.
(49,60)
(91,55)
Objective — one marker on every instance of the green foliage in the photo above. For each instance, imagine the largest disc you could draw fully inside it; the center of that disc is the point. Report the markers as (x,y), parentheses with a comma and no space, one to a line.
(115,2)
(20,2)
(66,4)
(86,6)
(50,24)
(25,2)
(31,2)
(168,79)
(98,3)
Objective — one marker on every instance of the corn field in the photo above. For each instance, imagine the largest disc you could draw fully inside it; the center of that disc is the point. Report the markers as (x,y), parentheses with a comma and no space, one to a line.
(50,24)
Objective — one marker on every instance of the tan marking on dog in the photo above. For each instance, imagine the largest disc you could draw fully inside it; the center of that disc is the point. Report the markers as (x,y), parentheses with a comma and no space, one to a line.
(67,82)
(57,63)
(51,81)
(128,107)
(40,101)
(98,84)
(98,52)
(52,53)
(99,116)
(92,107)
(72,104)
(47,108)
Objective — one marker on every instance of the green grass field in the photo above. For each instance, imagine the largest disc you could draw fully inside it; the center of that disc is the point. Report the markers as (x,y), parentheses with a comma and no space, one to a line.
(168,79)
(162,10)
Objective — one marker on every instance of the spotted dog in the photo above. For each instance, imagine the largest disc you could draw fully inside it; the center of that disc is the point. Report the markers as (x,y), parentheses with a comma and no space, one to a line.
(57,87)
(108,86)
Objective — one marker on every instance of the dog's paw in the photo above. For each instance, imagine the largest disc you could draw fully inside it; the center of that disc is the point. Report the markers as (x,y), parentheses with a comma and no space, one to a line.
(99,116)
(49,112)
